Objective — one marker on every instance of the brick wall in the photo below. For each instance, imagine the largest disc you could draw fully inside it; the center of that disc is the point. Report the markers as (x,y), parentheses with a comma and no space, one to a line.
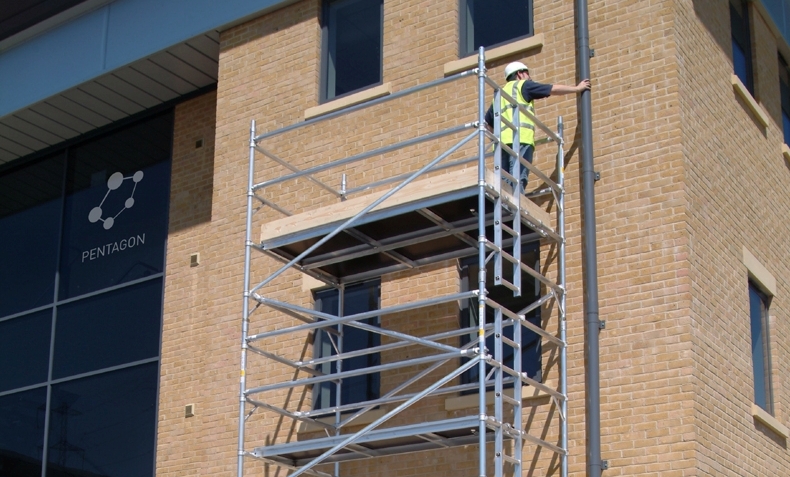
(642,251)
(671,219)
(735,182)
(187,335)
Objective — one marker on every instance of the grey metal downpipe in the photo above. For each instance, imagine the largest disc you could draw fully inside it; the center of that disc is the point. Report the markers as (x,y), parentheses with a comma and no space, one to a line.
(592,322)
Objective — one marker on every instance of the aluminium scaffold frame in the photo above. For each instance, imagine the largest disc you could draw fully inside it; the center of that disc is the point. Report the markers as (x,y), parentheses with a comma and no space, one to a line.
(509,212)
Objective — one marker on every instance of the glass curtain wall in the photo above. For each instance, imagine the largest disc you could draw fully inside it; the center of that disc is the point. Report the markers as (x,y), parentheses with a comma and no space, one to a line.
(82,240)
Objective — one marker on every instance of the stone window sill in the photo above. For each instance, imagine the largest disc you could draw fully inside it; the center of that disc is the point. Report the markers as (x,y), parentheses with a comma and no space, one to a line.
(520,46)
(770,421)
(350,100)
(786,153)
(528,393)
(755,108)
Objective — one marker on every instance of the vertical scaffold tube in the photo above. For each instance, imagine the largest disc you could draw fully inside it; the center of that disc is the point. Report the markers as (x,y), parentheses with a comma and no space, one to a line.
(481,244)
(561,304)
(341,306)
(245,322)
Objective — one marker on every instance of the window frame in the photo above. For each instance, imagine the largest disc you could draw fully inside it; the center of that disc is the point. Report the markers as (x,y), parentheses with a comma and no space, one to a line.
(743,41)
(373,359)
(464,21)
(323,94)
(765,367)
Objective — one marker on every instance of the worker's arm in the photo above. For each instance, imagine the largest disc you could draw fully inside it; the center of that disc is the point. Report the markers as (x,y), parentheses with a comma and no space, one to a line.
(564,89)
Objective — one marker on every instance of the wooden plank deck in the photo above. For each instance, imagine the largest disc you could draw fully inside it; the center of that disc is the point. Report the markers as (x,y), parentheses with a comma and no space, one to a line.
(412,193)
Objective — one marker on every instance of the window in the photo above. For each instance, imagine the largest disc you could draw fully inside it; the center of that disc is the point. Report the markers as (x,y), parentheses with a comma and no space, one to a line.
(761,355)
(358,298)
(530,292)
(104,424)
(784,87)
(490,23)
(741,43)
(81,304)
(31,201)
(352,46)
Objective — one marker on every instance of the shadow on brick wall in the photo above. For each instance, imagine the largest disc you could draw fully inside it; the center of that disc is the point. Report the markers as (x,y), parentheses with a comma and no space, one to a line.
(192,179)
(715,16)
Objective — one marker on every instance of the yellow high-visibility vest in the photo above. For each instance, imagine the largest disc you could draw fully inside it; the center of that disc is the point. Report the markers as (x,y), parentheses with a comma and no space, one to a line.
(527,127)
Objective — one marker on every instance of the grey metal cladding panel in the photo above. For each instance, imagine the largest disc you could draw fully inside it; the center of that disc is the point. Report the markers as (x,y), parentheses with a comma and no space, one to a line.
(33,129)
(115,35)
(86,107)
(6,156)
(48,124)
(207,44)
(111,97)
(130,91)
(93,103)
(182,69)
(138,28)
(197,59)
(63,117)
(163,76)
(150,85)
(51,62)
(22,137)
(13,147)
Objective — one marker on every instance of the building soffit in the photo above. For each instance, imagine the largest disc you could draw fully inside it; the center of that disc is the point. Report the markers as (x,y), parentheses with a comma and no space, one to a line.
(101,62)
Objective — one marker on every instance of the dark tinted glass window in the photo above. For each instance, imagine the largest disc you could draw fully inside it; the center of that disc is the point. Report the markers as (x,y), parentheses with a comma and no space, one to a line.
(352,46)
(109,329)
(530,292)
(115,222)
(22,433)
(761,357)
(489,23)
(784,87)
(30,208)
(741,43)
(104,425)
(358,299)
(101,206)
(24,350)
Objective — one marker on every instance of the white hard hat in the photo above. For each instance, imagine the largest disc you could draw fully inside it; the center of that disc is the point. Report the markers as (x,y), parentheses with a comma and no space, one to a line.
(513,68)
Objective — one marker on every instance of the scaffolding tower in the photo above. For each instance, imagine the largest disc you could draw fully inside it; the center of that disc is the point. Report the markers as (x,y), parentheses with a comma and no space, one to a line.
(466,208)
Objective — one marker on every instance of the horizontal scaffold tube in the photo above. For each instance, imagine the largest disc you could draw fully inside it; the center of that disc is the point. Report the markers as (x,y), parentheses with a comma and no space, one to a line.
(359,316)
(363,155)
(399,177)
(296,170)
(387,347)
(286,413)
(525,379)
(367,104)
(348,223)
(388,400)
(549,182)
(395,391)
(537,276)
(373,425)
(540,331)
(355,372)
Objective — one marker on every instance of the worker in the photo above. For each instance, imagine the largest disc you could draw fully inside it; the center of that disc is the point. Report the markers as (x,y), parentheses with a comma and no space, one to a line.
(521,87)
